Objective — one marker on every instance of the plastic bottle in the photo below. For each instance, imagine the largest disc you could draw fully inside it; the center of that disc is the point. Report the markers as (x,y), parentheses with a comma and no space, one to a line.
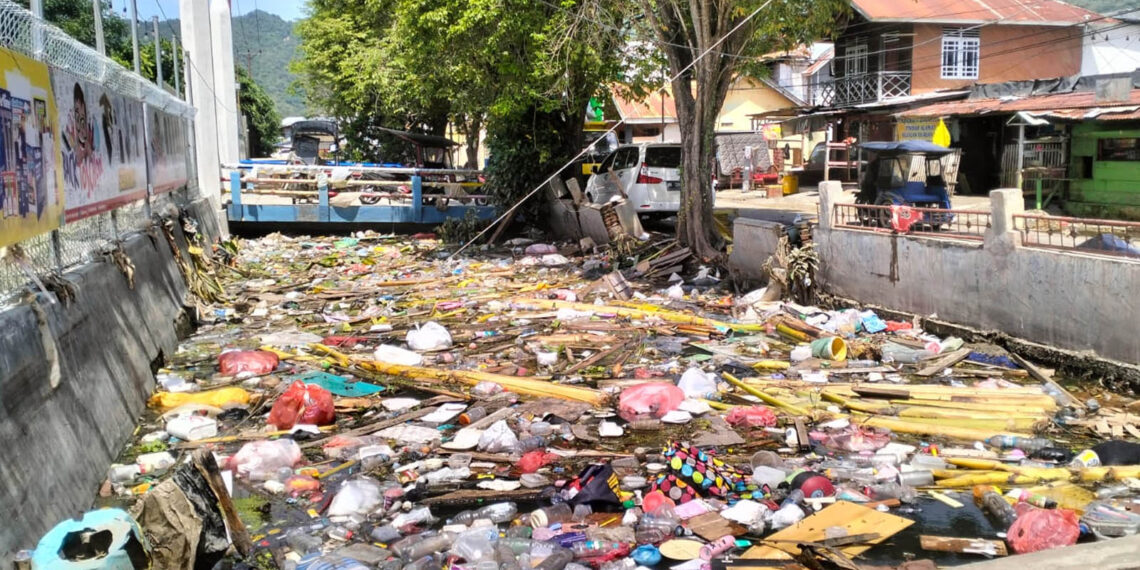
(593,549)
(717,547)
(796,497)
(1024,496)
(428,562)
(541,429)
(530,443)
(414,516)
(340,533)
(557,560)
(302,542)
(893,352)
(438,543)
(1026,444)
(619,564)
(994,505)
(472,415)
(497,513)
(547,516)
(507,557)
(893,491)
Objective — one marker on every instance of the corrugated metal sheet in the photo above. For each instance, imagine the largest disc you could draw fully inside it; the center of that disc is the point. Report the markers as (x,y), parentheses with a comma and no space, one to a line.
(1075,106)
(1025,12)
(647,111)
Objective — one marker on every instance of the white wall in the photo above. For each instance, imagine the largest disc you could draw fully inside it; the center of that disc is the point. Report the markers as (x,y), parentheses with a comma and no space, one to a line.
(1112,51)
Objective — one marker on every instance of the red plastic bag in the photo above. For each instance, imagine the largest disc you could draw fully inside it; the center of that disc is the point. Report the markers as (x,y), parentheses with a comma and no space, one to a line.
(751,417)
(1041,529)
(302,404)
(257,362)
(651,400)
(532,461)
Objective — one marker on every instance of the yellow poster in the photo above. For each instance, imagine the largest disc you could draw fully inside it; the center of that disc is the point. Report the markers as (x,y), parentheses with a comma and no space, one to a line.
(31,177)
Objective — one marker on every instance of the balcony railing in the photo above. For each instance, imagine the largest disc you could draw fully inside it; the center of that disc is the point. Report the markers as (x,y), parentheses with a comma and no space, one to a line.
(862,88)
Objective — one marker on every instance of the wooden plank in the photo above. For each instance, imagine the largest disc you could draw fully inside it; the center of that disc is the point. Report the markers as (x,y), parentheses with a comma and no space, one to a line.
(943,362)
(1047,378)
(963,545)
(855,519)
(205,464)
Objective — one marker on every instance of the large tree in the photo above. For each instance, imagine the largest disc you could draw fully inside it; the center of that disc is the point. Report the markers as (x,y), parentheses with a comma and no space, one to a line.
(706,43)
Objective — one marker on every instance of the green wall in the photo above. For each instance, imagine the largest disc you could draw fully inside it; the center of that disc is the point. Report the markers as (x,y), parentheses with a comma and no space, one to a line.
(1112,189)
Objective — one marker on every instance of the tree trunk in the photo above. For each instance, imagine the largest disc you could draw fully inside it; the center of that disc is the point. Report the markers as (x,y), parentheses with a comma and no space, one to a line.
(695,226)
(473,128)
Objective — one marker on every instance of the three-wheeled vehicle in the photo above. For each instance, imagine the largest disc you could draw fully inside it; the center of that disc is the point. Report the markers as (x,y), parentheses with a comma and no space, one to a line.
(908,173)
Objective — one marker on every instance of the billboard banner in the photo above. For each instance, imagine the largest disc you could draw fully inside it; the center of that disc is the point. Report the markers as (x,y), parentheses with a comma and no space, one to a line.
(104,165)
(169,149)
(31,185)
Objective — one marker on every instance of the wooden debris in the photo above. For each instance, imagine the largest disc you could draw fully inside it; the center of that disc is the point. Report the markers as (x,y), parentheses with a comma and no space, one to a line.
(963,545)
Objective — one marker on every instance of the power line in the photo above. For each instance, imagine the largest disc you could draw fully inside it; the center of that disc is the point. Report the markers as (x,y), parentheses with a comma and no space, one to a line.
(610,130)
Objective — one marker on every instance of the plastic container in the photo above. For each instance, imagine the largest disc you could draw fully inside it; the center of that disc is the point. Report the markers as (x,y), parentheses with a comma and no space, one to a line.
(717,547)
(192,427)
(1109,520)
(995,506)
(829,348)
(1026,444)
(893,352)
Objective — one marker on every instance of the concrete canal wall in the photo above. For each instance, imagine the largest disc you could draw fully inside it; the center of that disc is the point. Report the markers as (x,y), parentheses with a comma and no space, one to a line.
(1066,299)
(61,434)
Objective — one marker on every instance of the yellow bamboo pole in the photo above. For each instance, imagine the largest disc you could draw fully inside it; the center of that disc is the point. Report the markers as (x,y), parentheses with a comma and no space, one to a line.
(765,397)
(639,312)
(525,386)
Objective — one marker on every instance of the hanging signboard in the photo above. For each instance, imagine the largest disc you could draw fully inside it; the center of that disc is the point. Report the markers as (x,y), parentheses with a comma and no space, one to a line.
(102,147)
(168,148)
(916,129)
(31,188)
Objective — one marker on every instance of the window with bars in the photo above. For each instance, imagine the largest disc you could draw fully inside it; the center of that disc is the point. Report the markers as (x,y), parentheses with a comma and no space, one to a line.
(961,50)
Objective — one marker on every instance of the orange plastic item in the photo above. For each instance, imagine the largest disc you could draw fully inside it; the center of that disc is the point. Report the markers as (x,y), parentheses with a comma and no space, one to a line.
(256,362)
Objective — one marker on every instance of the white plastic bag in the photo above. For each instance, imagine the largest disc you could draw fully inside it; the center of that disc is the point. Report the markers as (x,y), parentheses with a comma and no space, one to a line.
(355,497)
(498,438)
(396,355)
(429,336)
(695,383)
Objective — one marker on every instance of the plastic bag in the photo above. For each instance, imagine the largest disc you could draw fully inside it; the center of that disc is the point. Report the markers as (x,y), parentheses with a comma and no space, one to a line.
(651,400)
(532,461)
(228,397)
(498,438)
(541,249)
(396,355)
(1041,529)
(256,362)
(695,383)
(302,403)
(355,497)
(429,336)
(595,485)
(751,417)
(265,456)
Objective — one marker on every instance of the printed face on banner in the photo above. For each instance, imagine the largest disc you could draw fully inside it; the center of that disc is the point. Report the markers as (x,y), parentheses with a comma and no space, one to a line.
(104,165)
(31,186)
(169,149)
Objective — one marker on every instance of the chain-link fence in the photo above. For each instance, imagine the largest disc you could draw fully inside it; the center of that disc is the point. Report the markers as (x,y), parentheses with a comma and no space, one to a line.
(80,241)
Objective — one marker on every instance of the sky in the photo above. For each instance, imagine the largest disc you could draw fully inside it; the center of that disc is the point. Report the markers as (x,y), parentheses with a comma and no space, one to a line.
(287,9)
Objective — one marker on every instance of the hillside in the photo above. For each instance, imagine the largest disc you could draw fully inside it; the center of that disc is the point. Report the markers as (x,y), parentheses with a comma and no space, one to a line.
(1107,6)
(266,44)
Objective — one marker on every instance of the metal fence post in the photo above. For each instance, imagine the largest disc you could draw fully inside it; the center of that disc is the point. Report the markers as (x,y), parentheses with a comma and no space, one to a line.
(57,250)
(417,198)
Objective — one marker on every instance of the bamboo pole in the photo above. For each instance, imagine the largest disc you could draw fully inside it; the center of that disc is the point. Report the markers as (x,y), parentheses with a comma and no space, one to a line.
(640,312)
(765,397)
(519,385)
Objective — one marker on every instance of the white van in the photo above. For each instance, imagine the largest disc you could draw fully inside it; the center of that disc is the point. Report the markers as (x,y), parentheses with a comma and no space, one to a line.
(646,174)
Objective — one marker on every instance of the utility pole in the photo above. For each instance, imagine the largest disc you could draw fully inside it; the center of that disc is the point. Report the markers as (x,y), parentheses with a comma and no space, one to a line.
(100,46)
(37,7)
(135,35)
(157,54)
(175,57)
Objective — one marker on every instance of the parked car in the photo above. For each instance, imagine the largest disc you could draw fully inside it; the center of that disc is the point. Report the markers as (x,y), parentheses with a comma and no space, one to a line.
(811,173)
(647,174)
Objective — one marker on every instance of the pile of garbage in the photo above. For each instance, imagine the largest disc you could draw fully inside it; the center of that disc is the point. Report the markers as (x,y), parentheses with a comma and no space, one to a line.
(369,402)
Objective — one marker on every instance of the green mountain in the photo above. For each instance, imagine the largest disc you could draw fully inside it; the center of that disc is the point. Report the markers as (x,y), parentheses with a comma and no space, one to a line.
(265,44)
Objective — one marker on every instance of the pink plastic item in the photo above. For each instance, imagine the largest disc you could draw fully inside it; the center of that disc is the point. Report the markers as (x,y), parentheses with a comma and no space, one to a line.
(651,400)
(751,417)
(1041,529)
(255,362)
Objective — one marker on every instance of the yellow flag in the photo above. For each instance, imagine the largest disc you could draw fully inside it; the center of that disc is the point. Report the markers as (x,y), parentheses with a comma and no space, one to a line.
(941,134)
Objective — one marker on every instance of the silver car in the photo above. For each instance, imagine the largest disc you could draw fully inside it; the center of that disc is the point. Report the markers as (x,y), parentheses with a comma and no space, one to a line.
(646,174)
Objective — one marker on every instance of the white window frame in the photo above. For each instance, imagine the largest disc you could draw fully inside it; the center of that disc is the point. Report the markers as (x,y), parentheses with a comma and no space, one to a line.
(961,53)
(855,61)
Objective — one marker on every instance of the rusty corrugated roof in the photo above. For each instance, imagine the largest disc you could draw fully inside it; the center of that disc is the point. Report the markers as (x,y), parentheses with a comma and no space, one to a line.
(1077,105)
(648,110)
(1024,12)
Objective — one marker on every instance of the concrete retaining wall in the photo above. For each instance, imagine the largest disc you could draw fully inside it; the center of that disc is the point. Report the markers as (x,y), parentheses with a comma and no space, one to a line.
(1068,300)
(59,441)
(754,242)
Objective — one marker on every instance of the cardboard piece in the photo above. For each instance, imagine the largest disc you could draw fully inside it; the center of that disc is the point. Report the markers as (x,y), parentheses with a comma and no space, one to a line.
(854,518)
